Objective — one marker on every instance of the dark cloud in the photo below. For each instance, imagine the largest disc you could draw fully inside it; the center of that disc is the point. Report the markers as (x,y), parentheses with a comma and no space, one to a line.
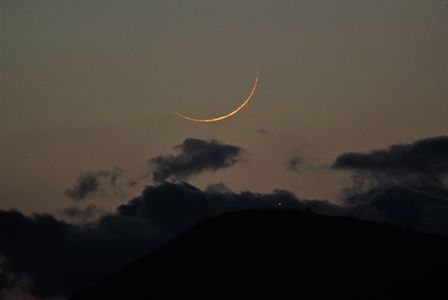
(60,257)
(86,185)
(295,162)
(195,156)
(219,187)
(82,214)
(89,183)
(402,184)
(419,167)
(113,175)
(262,131)
(423,209)
(174,206)
(426,158)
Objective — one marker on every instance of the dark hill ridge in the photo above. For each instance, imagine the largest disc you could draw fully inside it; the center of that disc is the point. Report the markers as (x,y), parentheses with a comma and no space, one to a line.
(278,254)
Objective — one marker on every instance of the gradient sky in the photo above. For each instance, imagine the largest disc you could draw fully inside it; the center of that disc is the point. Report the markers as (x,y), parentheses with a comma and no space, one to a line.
(88,85)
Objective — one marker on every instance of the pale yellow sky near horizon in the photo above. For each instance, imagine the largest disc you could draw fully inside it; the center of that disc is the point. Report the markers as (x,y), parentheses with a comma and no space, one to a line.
(88,85)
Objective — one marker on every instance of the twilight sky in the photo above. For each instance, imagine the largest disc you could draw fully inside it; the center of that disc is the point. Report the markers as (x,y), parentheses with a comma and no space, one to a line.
(89,85)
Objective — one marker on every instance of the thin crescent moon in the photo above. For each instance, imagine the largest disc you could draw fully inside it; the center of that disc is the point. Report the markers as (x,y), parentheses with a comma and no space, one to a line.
(235,111)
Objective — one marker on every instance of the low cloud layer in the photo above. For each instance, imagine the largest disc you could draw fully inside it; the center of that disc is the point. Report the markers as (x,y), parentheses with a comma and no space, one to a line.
(51,257)
(90,182)
(195,156)
(60,257)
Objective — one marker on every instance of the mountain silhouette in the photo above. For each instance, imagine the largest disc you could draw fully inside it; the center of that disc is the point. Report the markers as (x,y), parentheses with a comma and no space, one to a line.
(284,254)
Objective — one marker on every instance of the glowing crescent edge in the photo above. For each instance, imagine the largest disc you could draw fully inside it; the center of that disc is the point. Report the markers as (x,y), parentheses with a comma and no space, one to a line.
(225,116)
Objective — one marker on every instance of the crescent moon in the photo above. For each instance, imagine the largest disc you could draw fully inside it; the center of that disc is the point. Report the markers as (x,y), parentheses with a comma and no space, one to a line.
(221,118)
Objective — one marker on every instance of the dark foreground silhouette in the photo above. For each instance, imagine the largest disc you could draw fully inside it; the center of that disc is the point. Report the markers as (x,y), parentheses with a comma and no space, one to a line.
(280,254)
